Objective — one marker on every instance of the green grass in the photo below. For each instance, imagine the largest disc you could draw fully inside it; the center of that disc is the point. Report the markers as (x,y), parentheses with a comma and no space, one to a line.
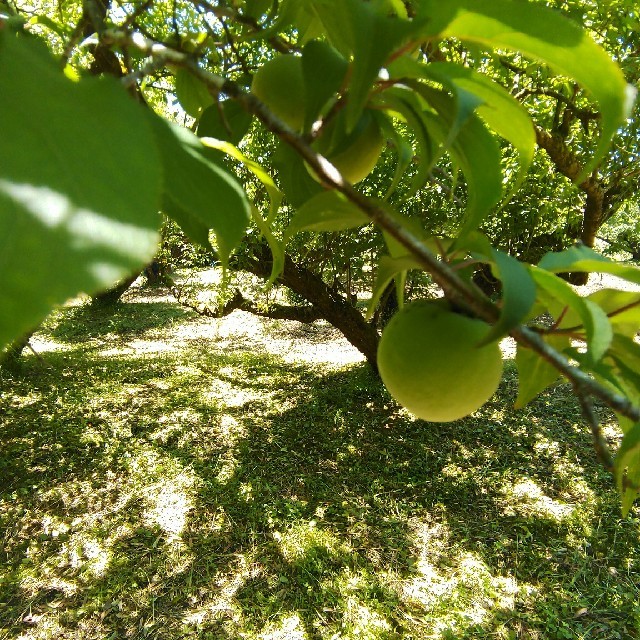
(204,493)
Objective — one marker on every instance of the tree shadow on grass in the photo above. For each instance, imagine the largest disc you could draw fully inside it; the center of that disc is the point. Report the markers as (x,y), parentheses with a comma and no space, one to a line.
(84,322)
(214,495)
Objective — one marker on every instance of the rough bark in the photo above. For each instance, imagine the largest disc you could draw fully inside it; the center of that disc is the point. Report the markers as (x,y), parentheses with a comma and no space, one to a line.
(111,296)
(327,303)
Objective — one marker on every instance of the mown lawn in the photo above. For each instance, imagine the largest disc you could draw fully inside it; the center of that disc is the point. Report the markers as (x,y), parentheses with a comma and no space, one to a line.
(212,491)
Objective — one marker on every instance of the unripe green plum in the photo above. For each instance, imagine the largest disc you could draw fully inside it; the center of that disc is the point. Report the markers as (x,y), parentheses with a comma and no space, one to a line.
(429,361)
(279,83)
(353,154)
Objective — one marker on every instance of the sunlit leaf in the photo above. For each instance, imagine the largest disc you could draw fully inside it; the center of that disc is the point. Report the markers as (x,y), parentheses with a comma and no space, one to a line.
(200,187)
(76,213)
(583,259)
(627,468)
(545,36)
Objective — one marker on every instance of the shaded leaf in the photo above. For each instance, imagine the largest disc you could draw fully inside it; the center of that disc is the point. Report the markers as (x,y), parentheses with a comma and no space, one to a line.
(200,187)
(388,269)
(327,211)
(324,70)
(535,373)
(275,195)
(275,245)
(518,294)
(76,214)
(192,93)
(224,120)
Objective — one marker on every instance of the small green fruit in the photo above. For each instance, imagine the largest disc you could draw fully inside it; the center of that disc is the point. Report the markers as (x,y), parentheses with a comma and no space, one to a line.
(429,361)
(279,83)
(353,154)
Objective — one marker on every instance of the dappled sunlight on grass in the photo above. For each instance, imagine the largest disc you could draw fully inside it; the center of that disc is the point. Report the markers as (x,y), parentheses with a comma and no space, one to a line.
(205,493)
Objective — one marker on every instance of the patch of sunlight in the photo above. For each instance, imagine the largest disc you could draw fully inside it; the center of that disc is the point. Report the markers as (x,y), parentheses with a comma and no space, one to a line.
(526,498)
(139,347)
(546,446)
(44,628)
(229,394)
(453,471)
(226,466)
(289,628)
(363,622)
(231,429)
(223,591)
(170,502)
(33,584)
(40,344)
(508,347)
(85,553)
(300,540)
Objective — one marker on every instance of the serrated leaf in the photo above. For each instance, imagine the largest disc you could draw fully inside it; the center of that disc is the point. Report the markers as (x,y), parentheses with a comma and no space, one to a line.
(275,195)
(518,294)
(200,187)
(627,468)
(76,213)
(545,36)
(585,260)
(535,373)
(324,70)
(192,93)
(498,108)
(224,120)
(327,211)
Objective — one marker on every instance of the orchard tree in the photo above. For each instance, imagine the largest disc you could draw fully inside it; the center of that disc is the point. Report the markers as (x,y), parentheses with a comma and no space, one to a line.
(400,122)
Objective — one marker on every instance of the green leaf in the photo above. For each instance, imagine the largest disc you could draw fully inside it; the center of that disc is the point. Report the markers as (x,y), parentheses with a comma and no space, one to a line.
(276,247)
(583,259)
(545,36)
(324,70)
(200,187)
(572,311)
(327,211)
(275,195)
(76,213)
(224,120)
(407,105)
(476,151)
(371,37)
(294,179)
(622,308)
(388,269)
(627,468)
(192,93)
(518,294)
(535,374)
(497,107)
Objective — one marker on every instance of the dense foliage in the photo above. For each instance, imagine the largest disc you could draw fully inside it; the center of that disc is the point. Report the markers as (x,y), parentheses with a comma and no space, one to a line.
(253,116)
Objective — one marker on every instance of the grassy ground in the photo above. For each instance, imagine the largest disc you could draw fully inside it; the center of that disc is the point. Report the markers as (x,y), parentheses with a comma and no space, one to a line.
(208,490)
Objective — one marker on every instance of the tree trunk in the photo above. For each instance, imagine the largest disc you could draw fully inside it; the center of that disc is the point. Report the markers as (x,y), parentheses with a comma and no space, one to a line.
(111,296)
(330,305)
(10,356)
